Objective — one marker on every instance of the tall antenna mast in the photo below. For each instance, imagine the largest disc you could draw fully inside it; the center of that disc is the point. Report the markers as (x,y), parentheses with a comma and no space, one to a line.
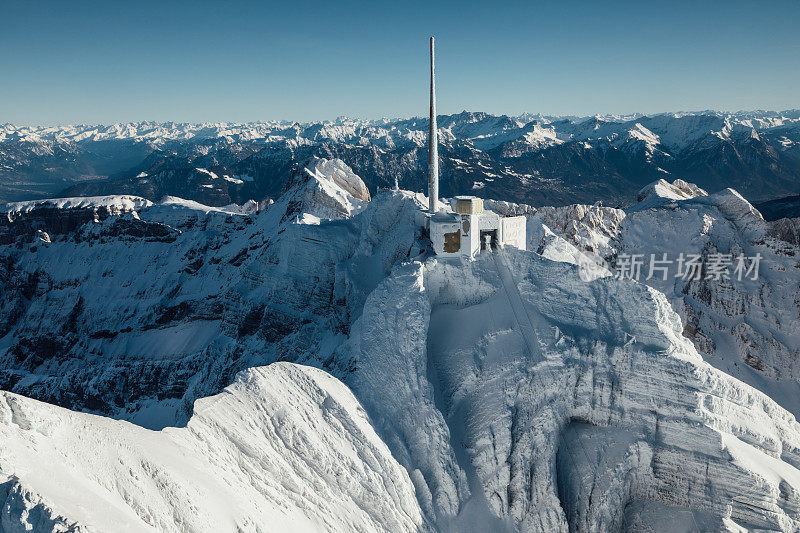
(433,147)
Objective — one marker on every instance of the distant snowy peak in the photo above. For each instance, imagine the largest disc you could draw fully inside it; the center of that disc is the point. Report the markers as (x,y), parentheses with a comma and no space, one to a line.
(663,190)
(464,126)
(141,131)
(528,159)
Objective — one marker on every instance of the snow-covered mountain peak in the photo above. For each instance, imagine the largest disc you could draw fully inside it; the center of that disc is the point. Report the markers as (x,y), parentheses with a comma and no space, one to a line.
(464,125)
(510,366)
(496,387)
(641,133)
(663,190)
(337,172)
(528,159)
(323,189)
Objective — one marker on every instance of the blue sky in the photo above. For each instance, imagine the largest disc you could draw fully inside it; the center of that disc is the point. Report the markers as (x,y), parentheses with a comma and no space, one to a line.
(101,62)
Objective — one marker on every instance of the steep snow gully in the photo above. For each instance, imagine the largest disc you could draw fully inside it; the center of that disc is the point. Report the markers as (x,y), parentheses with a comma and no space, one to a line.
(505,393)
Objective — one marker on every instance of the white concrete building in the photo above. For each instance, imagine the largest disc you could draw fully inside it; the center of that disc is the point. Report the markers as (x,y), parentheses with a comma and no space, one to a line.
(467,229)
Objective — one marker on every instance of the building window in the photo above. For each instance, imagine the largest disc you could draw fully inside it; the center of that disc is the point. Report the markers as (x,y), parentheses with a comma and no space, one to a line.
(452,242)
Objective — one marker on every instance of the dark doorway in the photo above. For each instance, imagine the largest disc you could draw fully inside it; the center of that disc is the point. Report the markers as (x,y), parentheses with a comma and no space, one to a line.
(492,237)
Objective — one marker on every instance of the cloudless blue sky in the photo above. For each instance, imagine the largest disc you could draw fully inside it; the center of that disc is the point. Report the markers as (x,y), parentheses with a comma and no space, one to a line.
(100,62)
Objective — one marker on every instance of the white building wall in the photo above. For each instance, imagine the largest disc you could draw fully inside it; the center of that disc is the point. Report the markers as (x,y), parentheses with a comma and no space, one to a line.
(513,232)
(438,230)
(489,220)
(467,227)
(471,240)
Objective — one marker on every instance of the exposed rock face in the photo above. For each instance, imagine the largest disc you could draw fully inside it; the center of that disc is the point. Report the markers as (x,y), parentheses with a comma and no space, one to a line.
(24,221)
(786,229)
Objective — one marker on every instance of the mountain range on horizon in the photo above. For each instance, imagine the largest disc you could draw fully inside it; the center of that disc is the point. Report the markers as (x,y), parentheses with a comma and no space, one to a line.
(532,159)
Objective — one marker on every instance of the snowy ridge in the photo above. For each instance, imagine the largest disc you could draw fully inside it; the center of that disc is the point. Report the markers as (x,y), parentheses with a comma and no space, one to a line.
(747,327)
(113,204)
(116,204)
(283,448)
(483,421)
(191,283)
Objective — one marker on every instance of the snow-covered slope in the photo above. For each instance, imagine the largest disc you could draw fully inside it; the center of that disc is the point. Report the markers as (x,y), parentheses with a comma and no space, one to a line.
(749,328)
(137,313)
(284,448)
(324,189)
(523,398)
(110,204)
(661,190)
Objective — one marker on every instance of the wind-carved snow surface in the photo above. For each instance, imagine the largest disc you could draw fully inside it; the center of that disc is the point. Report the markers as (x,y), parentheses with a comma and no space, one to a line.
(513,393)
(748,328)
(610,419)
(284,448)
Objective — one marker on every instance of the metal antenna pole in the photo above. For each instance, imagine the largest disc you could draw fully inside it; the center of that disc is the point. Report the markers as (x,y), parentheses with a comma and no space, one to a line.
(433,148)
